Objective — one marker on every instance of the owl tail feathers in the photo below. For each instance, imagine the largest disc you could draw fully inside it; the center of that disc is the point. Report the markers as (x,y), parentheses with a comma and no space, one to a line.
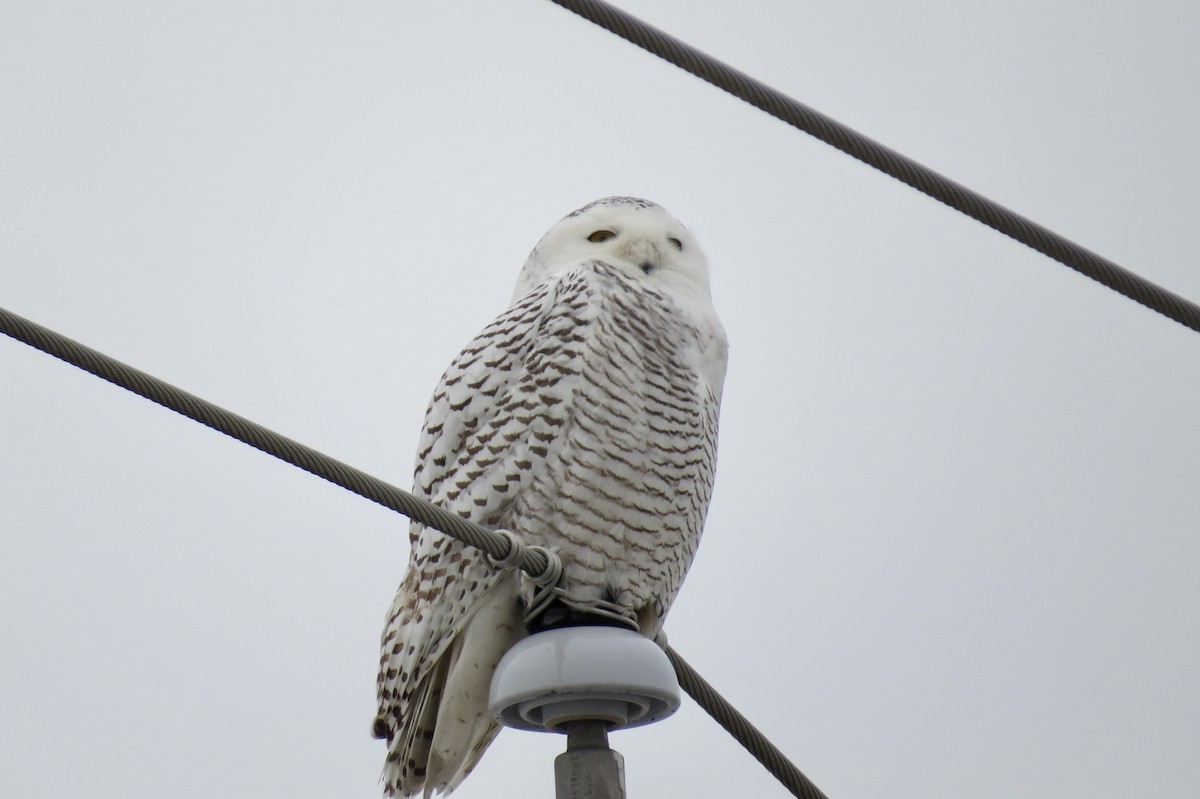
(450,727)
(458,767)
(404,770)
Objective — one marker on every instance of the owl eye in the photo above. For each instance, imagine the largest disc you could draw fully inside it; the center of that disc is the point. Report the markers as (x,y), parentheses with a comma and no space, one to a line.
(601,235)
(676,243)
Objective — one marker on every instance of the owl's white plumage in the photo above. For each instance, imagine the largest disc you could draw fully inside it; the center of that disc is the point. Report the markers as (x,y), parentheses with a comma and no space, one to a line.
(584,419)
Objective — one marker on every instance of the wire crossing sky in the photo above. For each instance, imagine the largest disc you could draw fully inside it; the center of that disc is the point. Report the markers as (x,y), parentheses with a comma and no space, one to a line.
(888,161)
(534,560)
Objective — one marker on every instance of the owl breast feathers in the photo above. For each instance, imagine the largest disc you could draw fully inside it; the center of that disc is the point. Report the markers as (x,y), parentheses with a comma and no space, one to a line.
(584,419)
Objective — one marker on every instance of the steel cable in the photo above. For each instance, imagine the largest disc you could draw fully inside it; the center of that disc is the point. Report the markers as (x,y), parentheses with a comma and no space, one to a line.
(263,439)
(886,160)
(745,733)
(533,559)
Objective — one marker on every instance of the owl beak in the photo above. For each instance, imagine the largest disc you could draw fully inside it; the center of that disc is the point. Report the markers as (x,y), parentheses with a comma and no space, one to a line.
(642,252)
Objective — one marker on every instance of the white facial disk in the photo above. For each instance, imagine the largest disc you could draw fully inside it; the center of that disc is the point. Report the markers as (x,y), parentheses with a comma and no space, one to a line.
(636,234)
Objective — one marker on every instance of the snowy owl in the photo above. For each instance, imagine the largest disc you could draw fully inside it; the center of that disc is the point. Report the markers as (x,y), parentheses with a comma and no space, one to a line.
(583,419)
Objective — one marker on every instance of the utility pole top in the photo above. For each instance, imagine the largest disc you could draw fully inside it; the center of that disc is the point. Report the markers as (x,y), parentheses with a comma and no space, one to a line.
(589,769)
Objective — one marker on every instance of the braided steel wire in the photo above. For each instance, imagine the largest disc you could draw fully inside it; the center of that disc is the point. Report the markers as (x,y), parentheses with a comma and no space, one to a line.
(742,730)
(534,560)
(886,160)
(503,547)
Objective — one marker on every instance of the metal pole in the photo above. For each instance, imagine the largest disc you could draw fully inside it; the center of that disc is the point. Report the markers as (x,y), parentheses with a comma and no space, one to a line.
(589,769)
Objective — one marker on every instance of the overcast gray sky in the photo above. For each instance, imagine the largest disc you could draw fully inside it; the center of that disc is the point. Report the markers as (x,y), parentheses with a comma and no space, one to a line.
(953,548)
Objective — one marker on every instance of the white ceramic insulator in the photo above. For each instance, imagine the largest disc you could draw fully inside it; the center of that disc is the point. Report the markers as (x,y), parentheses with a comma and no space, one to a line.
(569,674)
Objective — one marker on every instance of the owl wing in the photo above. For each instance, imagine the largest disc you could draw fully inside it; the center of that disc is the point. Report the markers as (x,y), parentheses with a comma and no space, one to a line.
(479,444)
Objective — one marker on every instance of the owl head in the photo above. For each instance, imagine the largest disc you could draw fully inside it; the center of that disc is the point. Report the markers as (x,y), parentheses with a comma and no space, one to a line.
(632,233)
